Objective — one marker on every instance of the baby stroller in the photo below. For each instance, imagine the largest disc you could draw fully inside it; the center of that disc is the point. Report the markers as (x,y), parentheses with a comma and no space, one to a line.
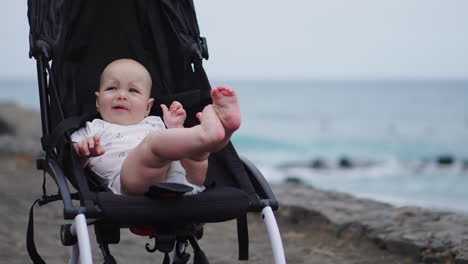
(72,40)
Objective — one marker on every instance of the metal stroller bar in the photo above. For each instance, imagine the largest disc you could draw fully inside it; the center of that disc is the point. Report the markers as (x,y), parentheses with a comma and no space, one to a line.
(69,210)
(80,251)
(274,235)
(267,204)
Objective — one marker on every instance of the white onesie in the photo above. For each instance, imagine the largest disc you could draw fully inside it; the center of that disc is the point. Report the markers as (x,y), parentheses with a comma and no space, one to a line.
(118,141)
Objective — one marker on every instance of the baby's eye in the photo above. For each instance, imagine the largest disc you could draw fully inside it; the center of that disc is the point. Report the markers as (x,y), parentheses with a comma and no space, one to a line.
(132,90)
(111,88)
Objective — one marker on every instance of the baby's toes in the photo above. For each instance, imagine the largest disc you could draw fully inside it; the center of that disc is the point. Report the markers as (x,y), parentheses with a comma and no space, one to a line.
(175,106)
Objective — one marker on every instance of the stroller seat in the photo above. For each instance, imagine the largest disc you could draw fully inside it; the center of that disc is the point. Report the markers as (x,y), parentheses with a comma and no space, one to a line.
(72,41)
(216,205)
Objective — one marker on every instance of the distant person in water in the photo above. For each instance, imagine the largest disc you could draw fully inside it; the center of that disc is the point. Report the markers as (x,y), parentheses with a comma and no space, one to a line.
(130,151)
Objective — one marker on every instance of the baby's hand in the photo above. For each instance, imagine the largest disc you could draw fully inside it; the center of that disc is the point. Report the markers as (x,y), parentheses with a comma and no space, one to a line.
(88,147)
(175,115)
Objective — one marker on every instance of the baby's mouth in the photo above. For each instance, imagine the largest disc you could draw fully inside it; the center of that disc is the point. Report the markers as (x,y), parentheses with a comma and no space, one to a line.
(120,107)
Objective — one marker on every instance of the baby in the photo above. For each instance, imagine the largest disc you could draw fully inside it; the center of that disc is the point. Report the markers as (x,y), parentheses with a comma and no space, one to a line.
(130,150)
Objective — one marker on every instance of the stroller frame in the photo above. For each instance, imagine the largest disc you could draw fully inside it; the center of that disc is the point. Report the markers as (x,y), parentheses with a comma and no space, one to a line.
(253,193)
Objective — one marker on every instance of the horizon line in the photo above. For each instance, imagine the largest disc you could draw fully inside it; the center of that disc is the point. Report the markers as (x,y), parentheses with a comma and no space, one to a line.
(294,78)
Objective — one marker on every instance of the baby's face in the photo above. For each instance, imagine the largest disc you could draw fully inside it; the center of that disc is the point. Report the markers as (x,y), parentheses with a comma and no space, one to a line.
(124,93)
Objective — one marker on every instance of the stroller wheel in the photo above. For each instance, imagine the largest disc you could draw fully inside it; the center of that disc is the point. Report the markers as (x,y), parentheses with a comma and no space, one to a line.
(68,239)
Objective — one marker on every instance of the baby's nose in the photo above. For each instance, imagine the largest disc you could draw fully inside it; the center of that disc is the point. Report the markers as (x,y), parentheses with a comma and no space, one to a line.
(122,94)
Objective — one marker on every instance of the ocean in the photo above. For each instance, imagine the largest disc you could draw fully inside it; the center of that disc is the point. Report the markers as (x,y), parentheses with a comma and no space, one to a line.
(404,142)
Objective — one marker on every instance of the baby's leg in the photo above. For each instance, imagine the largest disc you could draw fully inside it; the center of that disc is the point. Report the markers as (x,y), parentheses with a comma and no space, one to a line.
(227,108)
(196,168)
(148,163)
(141,169)
(195,171)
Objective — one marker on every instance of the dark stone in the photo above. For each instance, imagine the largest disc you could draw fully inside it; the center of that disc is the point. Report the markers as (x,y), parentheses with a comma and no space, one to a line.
(445,160)
(318,164)
(345,163)
(293,179)
(5,128)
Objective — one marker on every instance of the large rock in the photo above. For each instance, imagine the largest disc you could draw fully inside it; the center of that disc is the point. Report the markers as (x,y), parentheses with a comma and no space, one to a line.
(430,237)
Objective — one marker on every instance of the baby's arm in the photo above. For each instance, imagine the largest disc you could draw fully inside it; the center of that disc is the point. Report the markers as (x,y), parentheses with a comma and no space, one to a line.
(87,148)
(174,116)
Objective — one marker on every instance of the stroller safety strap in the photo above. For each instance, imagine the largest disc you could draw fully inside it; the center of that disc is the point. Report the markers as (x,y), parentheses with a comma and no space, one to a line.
(243,237)
(30,244)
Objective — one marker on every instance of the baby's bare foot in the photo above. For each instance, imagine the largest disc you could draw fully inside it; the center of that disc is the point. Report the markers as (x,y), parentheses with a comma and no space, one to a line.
(227,107)
(214,131)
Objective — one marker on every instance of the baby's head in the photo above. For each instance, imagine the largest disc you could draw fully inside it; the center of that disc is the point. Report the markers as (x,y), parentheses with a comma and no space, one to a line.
(124,92)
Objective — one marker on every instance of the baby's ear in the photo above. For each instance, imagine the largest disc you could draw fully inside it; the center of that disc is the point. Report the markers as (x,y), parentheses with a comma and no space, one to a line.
(97,100)
(149,105)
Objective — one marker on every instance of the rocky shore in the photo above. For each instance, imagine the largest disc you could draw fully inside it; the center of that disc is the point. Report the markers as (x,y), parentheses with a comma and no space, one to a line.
(317,226)
(423,235)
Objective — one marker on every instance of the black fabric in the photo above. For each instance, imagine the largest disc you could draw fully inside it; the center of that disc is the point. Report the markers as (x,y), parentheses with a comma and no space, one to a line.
(78,177)
(167,190)
(243,237)
(167,259)
(162,35)
(217,205)
(30,244)
(106,233)
(148,31)
(226,169)
(51,141)
(46,24)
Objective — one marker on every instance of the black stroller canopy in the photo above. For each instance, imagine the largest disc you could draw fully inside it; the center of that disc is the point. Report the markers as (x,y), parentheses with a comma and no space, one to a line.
(82,37)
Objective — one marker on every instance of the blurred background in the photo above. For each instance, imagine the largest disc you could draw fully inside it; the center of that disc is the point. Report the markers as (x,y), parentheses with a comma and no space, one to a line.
(366,97)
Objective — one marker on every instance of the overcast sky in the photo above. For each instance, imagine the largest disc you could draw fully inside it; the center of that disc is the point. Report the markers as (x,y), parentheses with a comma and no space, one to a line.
(305,39)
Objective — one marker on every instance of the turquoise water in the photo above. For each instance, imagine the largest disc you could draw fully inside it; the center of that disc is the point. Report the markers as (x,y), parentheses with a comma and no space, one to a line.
(403,120)
(392,132)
